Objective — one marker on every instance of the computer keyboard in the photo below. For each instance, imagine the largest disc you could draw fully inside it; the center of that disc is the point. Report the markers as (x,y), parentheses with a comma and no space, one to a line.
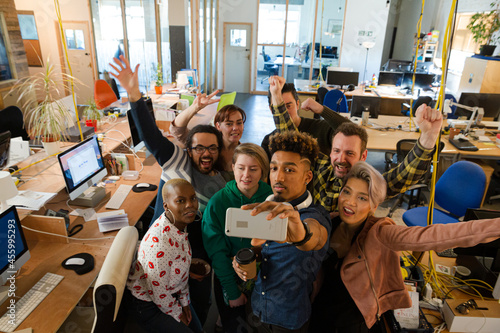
(448,253)
(117,199)
(30,301)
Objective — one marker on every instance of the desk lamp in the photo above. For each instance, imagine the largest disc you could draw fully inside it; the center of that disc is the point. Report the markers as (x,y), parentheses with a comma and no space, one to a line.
(474,109)
(9,189)
(368,46)
(182,81)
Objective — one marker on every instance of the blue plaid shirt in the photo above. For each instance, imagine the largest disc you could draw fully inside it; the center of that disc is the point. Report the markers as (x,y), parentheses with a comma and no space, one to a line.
(282,292)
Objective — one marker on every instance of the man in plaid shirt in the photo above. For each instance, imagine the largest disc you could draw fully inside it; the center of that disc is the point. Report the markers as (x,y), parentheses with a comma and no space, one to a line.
(349,146)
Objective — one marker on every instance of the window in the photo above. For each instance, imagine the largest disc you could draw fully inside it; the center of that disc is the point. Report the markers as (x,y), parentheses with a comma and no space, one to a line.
(238,38)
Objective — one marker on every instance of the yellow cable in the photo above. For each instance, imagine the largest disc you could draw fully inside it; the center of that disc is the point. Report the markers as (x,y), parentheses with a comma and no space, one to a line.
(419,28)
(65,47)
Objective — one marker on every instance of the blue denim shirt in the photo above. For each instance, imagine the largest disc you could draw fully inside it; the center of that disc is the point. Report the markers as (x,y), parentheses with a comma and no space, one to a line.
(282,292)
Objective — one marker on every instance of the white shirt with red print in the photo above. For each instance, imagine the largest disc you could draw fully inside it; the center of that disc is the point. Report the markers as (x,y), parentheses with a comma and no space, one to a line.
(162,268)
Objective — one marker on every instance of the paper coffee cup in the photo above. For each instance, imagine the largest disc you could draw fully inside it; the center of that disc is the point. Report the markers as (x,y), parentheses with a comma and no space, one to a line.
(462,272)
(246,259)
(365,117)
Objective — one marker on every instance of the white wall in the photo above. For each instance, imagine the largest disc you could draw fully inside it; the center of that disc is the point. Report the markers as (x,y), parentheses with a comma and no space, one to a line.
(48,33)
(236,11)
(372,17)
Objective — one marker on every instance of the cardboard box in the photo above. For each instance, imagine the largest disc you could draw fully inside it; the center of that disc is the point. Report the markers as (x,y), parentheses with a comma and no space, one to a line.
(480,321)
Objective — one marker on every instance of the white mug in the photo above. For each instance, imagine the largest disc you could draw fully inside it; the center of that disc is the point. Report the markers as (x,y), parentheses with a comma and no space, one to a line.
(461,272)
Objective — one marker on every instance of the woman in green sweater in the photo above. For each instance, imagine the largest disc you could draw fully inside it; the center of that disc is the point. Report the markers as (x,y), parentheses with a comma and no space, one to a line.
(251,167)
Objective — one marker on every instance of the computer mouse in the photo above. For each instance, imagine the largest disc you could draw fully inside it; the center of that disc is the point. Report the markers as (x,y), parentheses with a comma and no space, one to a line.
(75,261)
(143,185)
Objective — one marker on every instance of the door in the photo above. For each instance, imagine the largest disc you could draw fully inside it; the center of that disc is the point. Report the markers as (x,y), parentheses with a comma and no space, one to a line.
(81,59)
(237,49)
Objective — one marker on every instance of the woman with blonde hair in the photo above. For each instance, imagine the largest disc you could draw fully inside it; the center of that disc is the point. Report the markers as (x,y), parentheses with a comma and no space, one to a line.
(251,167)
(362,276)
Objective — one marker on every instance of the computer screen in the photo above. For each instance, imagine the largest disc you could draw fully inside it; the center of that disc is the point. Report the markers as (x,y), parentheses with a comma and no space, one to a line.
(82,166)
(4,149)
(489,102)
(340,78)
(422,80)
(137,142)
(390,78)
(14,250)
(398,65)
(362,103)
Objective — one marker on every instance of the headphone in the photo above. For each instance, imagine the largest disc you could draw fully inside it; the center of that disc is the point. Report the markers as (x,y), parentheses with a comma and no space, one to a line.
(351,87)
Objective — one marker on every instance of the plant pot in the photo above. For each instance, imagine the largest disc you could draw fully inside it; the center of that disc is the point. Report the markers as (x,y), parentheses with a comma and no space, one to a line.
(158,90)
(91,123)
(487,50)
(52,148)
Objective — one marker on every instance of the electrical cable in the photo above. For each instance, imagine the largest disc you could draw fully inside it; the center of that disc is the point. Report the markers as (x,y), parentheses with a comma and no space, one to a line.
(71,80)
(67,237)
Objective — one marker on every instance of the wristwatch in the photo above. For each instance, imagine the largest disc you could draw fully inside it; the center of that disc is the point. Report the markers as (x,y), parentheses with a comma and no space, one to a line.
(307,237)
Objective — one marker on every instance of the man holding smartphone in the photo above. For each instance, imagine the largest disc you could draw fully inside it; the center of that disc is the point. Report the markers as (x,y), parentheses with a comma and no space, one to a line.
(281,297)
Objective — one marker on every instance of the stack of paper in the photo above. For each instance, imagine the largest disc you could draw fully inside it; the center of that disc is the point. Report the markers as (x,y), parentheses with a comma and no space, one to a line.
(30,199)
(110,221)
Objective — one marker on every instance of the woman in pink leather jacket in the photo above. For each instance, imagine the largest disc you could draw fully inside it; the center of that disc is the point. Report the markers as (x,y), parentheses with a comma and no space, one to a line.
(362,276)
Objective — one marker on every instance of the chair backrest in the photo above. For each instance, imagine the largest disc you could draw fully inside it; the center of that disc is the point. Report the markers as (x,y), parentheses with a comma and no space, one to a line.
(110,284)
(226,99)
(460,187)
(12,120)
(103,94)
(335,100)
(421,100)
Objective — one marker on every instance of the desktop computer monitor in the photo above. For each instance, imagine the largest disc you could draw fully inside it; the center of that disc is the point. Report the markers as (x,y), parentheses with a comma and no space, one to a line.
(82,166)
(340,78)
(137,143)
(489,102)
(398,65)
(4,149)
(390,78)
(14,250)
(422,81)
(365,103)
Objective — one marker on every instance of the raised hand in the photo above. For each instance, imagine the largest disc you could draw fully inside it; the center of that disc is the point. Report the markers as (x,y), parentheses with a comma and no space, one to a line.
(311,105)
(128,79)
(203,100)
(429,121)
(276,84)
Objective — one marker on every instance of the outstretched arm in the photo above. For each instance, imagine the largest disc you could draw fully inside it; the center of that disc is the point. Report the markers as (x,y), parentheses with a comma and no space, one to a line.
(417,161)
(281,117)
(156,143)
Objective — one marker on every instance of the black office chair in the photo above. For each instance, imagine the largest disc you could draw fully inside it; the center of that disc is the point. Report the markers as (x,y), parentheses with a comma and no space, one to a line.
(413,194)
(405,107)
(271,69)
(12,120)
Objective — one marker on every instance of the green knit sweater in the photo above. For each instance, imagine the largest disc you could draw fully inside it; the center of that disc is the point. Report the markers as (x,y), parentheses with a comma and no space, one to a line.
(221,248)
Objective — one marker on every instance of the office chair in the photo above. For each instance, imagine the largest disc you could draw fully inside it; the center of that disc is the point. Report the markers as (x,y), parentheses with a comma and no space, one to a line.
(12,120)
(336,100)
(461,186)
(103,94)
(421,100)
(272,69)
(110,284)
(412,195)
(226,99)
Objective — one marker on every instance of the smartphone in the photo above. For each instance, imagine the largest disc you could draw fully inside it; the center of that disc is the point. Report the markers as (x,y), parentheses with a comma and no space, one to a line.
(239,223)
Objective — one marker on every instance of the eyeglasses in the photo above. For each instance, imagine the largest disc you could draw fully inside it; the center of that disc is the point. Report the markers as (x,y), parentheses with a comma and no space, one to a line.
(465,307)
(201,149)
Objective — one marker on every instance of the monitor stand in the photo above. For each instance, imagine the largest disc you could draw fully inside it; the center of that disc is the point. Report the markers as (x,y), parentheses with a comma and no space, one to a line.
(90,198)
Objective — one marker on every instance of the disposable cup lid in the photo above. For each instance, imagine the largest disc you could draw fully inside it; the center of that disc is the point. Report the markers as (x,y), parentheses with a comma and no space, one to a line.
(245,256)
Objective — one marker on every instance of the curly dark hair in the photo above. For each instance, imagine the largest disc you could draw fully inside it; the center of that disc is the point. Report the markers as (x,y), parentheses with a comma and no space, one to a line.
(297,142)
(203,129)
(351,129)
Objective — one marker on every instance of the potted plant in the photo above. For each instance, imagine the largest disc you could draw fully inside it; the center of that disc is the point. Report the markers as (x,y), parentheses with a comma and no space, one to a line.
(92,114)
(483,27)
(158,77)
(45,115)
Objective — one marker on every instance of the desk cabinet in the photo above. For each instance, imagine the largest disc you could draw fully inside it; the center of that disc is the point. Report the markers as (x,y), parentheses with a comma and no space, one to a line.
(480,76)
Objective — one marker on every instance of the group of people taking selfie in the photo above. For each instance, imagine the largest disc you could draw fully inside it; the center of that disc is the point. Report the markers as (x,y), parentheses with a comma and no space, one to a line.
(338,268)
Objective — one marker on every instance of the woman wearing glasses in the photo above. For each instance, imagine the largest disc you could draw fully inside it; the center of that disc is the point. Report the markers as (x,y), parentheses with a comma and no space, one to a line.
(251,167)
(362,276)
(229,120)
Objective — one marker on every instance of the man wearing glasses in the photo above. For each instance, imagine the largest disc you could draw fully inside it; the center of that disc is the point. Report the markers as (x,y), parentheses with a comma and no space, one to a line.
(195,164)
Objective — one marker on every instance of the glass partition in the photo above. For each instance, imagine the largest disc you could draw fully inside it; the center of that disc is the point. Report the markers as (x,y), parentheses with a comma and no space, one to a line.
(269,62)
